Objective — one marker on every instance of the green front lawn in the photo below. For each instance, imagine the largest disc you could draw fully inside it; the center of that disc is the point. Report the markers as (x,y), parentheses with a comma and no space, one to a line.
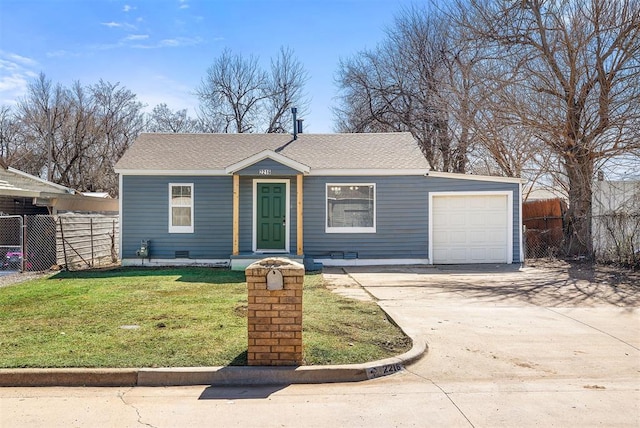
(172,317)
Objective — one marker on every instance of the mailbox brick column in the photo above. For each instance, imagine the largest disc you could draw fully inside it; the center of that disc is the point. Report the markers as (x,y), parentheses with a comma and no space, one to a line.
(275,316)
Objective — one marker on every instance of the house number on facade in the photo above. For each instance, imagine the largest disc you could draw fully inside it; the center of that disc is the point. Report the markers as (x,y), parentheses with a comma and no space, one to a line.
(264,172)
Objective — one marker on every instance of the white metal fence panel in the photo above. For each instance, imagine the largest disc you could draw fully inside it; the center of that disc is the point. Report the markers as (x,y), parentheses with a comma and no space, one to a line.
(87,240)
(616,221)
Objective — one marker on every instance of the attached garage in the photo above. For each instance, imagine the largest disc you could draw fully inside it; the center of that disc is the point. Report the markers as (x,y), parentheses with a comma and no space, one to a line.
(471,227)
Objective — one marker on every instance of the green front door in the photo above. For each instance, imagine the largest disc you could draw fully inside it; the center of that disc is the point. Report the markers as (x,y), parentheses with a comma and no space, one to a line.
(271,216)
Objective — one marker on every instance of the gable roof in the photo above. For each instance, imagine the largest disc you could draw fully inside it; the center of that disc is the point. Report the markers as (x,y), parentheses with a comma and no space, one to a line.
(267,154)
(218,153)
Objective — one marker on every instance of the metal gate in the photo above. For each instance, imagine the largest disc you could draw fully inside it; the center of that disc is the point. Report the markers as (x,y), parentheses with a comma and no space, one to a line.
(11,243)
(39,242)
(27,243)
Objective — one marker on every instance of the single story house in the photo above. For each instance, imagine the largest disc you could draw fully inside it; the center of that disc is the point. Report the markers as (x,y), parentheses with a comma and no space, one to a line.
(337,199)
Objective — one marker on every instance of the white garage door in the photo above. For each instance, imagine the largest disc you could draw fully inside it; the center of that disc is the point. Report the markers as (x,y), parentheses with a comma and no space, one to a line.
(470,229)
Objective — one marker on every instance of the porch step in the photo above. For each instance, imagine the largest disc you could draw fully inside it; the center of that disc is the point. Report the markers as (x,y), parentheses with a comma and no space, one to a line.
(241,261)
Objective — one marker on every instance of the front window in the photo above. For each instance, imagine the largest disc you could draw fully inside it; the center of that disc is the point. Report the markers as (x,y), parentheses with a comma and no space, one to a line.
(181,208)
(351,208)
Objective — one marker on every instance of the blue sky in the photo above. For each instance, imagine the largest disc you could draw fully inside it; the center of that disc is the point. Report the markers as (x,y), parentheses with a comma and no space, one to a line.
(161,49)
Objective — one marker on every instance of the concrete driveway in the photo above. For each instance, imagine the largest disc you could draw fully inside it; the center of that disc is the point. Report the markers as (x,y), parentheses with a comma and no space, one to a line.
(550,346)
(545,346)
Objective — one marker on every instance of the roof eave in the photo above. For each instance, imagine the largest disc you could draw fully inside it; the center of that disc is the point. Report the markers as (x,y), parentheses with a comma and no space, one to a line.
(492,178)
(368,171)
(171,172)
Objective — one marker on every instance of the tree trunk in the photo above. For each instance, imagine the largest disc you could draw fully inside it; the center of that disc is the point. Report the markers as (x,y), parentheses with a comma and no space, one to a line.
(578,217)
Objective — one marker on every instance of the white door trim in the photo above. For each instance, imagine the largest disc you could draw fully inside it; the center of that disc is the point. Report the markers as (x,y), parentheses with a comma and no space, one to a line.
(507,193)
(287,211)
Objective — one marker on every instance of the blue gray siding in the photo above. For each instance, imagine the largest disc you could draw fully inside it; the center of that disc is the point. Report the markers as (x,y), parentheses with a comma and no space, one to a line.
(402,215)
(145,215)
(401,219)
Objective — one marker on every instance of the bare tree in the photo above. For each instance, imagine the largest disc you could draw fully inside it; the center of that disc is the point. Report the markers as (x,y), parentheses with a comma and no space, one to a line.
(76,141)
(285,89)
(233,90)
(120,122)
(406,84)
(10,135)
(572,79)
(163,119)
(75,134)
(41,112)
(237,95)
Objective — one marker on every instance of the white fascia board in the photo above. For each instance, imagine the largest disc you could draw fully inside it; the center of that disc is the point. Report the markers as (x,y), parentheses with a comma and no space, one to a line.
(17,192)
(267,154)
(177,172)
(494,178)
(367,172)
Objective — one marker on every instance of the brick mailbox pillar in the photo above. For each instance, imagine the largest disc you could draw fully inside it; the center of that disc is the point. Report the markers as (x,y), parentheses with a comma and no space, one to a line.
(274,313)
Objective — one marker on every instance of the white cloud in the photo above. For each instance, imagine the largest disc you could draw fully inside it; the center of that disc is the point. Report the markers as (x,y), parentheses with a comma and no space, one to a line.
(159,89)
(13,83)
(20,59)
(183,4)
(169,43)
(123,25)
(15,73)
(111,24)
(62,54)
(136,37)
(127,8)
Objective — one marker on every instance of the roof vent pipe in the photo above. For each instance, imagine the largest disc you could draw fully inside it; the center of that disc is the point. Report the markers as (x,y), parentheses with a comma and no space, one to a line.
(299,126)
(294,112)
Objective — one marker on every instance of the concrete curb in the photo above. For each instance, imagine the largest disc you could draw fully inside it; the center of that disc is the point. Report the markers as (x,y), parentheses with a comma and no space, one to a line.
(221,376)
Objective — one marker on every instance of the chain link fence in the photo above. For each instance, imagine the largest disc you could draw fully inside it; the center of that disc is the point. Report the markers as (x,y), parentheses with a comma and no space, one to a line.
(39,242)
(615,237)
(11,235)
(545,239)
(71,241)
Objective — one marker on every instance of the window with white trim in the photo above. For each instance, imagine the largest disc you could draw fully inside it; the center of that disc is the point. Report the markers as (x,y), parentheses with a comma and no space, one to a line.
(180,208)
(351,208)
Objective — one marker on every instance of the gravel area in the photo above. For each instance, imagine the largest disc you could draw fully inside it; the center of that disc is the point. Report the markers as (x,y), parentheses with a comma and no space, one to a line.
(11,278)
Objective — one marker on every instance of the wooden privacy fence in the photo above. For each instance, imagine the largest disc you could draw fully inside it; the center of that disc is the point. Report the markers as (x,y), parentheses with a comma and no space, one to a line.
(86,240)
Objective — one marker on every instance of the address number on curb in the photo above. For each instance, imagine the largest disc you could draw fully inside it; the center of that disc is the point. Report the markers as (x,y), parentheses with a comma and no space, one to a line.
(385,370)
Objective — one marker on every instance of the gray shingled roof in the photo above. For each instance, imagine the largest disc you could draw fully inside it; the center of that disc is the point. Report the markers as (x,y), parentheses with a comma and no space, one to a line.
(175,152)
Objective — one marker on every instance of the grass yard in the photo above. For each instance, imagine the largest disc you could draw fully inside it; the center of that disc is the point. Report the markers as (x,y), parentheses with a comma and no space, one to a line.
(172,317)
